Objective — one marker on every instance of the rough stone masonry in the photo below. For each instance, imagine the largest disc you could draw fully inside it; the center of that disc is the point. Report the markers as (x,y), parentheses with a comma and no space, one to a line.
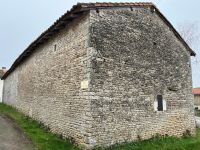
(106,73)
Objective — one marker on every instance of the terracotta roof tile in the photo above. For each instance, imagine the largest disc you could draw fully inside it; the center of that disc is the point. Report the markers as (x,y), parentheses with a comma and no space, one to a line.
(196,91)
(114,4)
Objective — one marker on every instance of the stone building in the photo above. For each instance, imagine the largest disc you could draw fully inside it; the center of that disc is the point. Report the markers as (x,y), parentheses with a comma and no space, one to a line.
(196,92)
(2,72)
(106,73)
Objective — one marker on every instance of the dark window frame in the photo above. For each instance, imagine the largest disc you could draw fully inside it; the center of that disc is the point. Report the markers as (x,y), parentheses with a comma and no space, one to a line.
(55,48)
(160,103)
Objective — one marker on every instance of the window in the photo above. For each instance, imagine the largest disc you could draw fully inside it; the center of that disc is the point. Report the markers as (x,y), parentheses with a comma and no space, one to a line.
(160,103)
(55,47)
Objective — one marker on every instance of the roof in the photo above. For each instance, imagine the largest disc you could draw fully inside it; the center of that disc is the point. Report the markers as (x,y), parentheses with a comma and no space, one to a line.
(77,11)
(196,91)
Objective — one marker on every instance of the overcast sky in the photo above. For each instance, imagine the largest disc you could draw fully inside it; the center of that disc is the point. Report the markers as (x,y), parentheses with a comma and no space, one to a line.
(22,21)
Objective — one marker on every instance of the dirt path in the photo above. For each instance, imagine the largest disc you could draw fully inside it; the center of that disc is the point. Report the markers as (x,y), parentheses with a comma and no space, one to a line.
(11,138)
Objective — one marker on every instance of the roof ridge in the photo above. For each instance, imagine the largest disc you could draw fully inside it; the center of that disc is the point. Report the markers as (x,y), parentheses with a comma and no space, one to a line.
(115,2)
(111,4)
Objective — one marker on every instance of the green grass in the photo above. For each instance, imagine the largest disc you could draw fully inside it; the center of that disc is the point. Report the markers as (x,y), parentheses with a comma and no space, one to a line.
(187,142)
(41,138)
(44,140)
(161,143)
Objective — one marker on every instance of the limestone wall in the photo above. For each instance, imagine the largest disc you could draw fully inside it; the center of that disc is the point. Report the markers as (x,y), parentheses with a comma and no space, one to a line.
(1,90)
(47,85)
(137,57)
(197,100)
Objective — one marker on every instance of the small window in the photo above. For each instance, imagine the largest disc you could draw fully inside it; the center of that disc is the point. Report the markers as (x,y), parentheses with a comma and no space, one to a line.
(160,103)
(55,47)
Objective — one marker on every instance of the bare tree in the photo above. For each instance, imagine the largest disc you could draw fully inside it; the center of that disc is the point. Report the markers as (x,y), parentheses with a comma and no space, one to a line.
(190,33)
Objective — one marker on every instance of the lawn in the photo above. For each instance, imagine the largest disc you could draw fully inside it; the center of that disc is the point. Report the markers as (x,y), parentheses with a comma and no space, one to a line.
(162,143)
(44,140)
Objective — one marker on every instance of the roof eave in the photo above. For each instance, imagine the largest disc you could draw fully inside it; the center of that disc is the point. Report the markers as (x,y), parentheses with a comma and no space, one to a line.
(192,53)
